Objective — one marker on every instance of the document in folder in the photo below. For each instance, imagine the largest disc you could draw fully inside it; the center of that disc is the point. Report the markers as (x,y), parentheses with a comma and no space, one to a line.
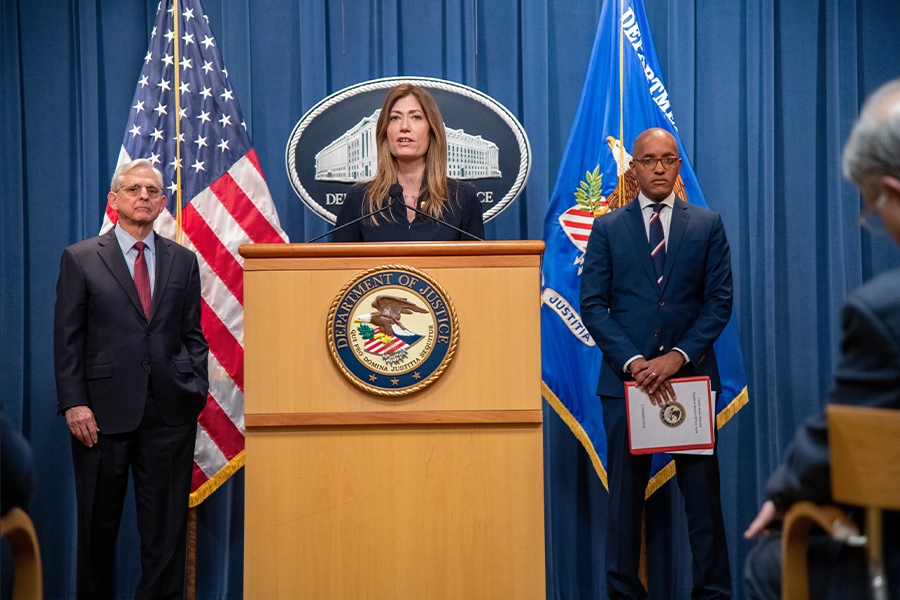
(685,425)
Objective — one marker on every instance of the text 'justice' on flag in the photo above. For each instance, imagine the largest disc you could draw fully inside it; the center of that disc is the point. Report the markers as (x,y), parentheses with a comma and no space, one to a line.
(183,96)
(623,95)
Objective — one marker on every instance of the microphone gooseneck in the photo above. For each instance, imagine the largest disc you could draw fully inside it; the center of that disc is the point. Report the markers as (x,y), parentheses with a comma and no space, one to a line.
(391,199)
(444,223)
(395,194)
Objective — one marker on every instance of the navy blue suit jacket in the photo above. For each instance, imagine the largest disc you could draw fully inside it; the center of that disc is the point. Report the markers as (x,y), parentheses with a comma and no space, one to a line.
(628,313)
(106,351)
(867,374)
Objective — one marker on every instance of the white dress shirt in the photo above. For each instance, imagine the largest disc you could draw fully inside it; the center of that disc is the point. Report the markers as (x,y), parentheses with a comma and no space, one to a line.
(665,217)
(126,243)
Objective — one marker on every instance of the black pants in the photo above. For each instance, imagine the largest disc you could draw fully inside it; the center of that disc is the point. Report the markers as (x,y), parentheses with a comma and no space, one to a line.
(161,461)
(698,480)
(836,571)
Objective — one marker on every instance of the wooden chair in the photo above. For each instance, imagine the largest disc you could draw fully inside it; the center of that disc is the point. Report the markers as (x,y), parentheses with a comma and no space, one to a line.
(17,527)
(865,472)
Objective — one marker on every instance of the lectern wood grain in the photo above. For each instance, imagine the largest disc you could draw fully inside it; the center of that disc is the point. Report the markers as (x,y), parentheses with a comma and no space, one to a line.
(440,498)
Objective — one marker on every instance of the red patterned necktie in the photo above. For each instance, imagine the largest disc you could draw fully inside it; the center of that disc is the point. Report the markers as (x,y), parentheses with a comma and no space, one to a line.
(657,242)
(142,278)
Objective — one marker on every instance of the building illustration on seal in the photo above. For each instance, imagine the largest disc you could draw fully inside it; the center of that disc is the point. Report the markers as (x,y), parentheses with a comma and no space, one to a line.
(353,156)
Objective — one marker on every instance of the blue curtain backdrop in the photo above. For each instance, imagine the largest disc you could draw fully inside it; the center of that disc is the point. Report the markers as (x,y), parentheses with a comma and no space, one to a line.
(764,93)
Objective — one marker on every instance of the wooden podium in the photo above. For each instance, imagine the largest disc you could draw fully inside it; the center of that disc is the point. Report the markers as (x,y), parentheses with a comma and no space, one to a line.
(437,494)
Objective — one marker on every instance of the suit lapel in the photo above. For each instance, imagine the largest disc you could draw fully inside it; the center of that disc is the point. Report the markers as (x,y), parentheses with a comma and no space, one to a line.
(164,258)
(635,221)
(677,227)
(111,254)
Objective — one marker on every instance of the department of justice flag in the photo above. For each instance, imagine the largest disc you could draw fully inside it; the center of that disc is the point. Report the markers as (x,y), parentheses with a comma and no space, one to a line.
(586,187)
(225,203)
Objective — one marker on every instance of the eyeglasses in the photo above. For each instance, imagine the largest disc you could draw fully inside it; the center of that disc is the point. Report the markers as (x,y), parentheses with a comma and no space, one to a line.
(869,219)
(650,163)
(134,190)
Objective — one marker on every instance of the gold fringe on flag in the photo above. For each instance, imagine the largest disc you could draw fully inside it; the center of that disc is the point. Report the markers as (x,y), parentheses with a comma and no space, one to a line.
(577,429)
(666,473)
(212,484)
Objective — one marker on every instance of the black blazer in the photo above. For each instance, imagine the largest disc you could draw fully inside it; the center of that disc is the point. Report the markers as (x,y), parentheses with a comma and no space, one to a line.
(106,351)
(867,374)
(628,313)
(463,211)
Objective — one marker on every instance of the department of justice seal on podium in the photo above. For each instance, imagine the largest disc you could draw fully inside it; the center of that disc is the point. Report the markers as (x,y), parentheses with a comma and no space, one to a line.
(392,330)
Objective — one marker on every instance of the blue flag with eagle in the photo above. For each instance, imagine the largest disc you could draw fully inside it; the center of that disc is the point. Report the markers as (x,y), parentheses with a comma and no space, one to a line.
(587,187)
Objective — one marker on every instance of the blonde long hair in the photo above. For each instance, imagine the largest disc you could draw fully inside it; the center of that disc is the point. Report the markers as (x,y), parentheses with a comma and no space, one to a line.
(435,157)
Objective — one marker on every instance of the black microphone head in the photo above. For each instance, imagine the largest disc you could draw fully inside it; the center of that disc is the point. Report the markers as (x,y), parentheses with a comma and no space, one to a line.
(396,191)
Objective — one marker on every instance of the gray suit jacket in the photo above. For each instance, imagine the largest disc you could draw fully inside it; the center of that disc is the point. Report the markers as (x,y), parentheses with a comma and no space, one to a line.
(107,352)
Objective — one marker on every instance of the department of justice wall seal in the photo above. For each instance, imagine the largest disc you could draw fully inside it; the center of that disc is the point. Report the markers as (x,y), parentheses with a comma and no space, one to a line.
(392,330)
(672,415)
(333,146)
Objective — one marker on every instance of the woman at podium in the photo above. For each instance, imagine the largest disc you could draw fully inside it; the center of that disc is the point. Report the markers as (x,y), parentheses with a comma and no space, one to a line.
(411,198)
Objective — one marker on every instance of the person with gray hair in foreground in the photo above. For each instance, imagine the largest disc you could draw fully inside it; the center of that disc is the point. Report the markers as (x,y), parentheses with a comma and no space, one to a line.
(867,374)
(131,379)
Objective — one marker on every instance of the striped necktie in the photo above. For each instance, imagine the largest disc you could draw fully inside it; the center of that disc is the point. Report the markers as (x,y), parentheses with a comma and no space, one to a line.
(657,242)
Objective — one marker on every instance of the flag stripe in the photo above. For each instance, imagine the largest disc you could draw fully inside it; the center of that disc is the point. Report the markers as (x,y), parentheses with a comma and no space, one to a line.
(210,246)
(579,224)
(207,456)
(226,393)
(222,224)
(249,176)
(236,202)
(221,429)
(222,344)
(253,160)
(219,297)
(198,477)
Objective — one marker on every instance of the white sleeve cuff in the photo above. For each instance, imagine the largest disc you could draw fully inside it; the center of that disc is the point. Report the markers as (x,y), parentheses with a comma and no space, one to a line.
(625,367)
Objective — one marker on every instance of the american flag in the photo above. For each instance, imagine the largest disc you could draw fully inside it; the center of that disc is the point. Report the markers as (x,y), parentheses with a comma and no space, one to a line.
(225,200)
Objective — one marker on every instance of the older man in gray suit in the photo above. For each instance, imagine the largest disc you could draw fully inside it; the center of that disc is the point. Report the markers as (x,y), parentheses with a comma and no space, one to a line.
(131,378)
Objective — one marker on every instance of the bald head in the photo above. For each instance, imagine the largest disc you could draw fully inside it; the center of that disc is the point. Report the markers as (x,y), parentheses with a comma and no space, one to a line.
(655,133)
(651,150)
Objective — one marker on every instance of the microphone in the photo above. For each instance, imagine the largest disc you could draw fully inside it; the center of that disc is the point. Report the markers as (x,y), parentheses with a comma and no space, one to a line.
(442,222)
(394,192)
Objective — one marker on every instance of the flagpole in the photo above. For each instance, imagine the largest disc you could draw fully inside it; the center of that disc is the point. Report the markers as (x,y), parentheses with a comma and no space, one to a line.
(177,91)
(191,578)
(621,162)
(642,566)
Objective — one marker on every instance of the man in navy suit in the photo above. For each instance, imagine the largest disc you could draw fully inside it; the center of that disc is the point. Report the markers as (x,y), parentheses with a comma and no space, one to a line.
(655,313)
(131,379)
(867,374)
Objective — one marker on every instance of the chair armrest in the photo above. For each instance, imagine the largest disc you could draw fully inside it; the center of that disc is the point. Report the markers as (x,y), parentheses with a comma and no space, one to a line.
(794,539)
(17,527)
